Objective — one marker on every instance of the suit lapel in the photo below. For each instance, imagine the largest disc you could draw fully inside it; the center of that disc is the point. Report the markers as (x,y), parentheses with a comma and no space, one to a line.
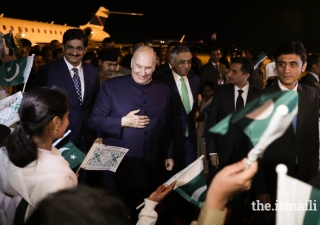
(302,106)
(193,91)
(86,80)
(68,83)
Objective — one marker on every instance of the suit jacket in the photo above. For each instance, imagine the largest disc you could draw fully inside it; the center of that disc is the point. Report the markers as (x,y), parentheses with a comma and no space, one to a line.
(223,104)
(161,70)
(179,119)
(117,97)
(310,80)
(209,73)
(57,74)
(302,145)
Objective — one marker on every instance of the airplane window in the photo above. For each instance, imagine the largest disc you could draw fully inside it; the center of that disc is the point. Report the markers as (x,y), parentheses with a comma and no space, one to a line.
(45,31)
(38,30)
(12,28)
(26,29)
(50,32)
(32,29)
(55,32)
(4,27)
(60,32)
(20,29)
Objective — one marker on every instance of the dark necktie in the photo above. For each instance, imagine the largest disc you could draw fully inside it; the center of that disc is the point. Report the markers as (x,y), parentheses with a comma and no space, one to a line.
(77,84)
(240,102)
(217,68)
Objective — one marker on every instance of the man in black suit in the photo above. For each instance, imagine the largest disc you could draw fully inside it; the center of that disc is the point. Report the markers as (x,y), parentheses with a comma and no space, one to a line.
(298,147)
(180,142)
(166,66)
(214,70)
(226,149)
(313,68)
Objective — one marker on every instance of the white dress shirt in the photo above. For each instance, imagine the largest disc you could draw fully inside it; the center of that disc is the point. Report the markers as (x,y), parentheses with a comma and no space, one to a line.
(186,81)
(80,73)
(244,94)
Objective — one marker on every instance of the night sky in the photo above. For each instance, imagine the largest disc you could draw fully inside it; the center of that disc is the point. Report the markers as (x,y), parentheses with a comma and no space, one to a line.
(260,25)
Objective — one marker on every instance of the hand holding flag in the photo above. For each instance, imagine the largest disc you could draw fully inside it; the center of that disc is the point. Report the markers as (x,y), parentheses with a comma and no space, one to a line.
(264,120)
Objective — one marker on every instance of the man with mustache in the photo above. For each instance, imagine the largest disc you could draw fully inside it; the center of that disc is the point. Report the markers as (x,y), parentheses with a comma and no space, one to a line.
(180,140)
(81,82)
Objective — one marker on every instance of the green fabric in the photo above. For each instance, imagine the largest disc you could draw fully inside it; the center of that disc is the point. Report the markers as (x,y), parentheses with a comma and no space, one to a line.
(185,99)
(312,216)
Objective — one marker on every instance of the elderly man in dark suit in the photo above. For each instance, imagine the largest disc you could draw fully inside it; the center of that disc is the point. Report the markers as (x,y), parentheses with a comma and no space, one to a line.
(298,147)
(131,112)
(226,149)
(180,139)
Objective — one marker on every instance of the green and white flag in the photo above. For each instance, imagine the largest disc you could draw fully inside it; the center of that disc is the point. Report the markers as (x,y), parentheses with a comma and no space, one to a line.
(9,109)
(297,202)
(16,72)
(264,120)
(103,157)
(191,183)
(69,151)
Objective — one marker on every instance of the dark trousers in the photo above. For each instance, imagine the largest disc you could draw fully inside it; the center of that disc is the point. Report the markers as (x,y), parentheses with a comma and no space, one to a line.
(130,196)
(174,204)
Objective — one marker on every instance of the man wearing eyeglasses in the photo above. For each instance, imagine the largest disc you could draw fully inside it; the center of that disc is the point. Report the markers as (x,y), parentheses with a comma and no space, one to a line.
(81,82)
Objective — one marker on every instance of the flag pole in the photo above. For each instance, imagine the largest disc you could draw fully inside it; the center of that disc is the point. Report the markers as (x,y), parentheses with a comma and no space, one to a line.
(24,87)
(84,159)
(176,176)
(57,141)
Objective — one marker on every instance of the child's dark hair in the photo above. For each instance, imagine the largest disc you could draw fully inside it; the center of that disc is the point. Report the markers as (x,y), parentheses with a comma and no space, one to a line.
(4,133)
(38,107)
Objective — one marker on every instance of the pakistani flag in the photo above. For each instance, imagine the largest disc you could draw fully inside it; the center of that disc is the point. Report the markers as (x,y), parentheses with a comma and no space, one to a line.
(15,72)
(70,152)
(264,120)
(297,202)
(191,183)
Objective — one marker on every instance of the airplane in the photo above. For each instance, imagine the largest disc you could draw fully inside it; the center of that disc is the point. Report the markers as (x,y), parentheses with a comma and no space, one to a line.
(39,33)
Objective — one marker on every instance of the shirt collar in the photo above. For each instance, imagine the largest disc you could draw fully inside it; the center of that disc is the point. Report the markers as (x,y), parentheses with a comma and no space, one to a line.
(177,76)
(283,88)
(244,88)
(70,67)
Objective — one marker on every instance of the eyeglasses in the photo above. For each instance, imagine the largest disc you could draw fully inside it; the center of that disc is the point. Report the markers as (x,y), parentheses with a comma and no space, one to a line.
(72,48)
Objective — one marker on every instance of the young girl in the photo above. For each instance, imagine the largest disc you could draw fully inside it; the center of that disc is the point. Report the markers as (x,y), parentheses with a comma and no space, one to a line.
(30,166)
(207,94)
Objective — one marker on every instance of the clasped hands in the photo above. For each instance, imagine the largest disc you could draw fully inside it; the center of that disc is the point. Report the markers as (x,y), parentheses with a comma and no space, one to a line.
(135,121)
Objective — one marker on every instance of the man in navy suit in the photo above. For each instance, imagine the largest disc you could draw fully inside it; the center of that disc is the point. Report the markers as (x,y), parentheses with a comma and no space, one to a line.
(131,113)
(181,150)
(62,73)
(180,137)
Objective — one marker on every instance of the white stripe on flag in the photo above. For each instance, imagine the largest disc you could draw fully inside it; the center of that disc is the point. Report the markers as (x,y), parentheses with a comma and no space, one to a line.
(27,70)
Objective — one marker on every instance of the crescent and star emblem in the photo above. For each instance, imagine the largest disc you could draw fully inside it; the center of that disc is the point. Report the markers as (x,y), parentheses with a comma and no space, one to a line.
(15,75)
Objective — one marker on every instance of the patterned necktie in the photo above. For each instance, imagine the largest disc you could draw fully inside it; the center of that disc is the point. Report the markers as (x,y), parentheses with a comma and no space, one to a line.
(185,99)
(240,102)
(77,84)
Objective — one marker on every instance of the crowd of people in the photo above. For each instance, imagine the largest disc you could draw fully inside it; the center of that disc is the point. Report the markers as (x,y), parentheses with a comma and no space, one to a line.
(160,106)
